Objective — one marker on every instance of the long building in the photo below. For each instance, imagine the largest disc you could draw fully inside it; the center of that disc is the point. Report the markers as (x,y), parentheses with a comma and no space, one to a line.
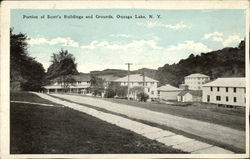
(225,91)
(81,85)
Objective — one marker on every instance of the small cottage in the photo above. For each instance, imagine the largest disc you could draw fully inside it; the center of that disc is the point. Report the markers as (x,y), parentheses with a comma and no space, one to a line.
(168,92)
(190,96)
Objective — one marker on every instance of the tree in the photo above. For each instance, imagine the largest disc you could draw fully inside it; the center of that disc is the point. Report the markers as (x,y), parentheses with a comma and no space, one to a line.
(120,91)
(143,97)
(62,69)
(96,85)
(22,77)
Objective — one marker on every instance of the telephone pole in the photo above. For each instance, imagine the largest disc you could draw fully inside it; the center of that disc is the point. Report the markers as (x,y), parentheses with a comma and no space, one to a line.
(128,77)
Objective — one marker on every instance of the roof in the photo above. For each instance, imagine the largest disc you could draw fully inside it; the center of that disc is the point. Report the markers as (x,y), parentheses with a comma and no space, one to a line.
(168,87)
(227,82)
(135,78)
(108,78)
(197,75)
(82,77)
(192,92)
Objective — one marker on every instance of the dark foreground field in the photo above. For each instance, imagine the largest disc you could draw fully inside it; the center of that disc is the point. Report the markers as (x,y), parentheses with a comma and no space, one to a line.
(38,129)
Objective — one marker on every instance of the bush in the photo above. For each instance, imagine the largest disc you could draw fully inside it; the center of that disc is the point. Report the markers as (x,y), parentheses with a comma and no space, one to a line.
(110,93)
(143,97)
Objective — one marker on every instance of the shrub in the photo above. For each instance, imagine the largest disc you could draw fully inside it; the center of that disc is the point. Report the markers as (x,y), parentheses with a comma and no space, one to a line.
(143,97)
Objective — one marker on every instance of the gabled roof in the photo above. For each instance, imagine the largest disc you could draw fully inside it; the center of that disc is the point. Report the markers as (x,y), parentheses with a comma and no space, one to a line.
(135,78)
(197,75)
(227,82)
(82,77)
(108,78)
(168,87)
(192,92)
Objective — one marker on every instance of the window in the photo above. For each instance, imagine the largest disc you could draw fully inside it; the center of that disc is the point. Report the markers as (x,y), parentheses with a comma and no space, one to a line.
(211,88)
(148,89)
(218,98)
(152,92)
(235,99)
(234,90)
(226,89)
(158,92)
(226,98)
(218,89)
(208,98)
(152,83)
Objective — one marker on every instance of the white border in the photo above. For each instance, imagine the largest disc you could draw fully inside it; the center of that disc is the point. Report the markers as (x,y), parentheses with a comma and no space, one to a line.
(4,65)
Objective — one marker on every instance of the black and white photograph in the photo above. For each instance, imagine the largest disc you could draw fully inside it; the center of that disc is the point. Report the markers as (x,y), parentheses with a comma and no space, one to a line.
(150,79)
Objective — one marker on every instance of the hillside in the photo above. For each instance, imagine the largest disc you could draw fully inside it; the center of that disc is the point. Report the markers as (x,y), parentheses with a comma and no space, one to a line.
(120,73)
(227,62)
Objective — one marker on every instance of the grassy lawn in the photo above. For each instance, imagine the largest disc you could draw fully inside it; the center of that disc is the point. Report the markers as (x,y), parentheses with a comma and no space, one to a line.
(38,129)
(28,97)
(208,113)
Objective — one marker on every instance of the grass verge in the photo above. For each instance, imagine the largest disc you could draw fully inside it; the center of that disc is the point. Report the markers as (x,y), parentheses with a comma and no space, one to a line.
(61,130)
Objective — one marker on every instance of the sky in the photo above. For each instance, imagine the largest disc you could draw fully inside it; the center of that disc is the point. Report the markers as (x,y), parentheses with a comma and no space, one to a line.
(102,43)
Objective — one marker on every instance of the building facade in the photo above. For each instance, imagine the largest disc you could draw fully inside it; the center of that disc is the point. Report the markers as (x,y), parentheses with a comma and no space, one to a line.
(195,81)
(80,85)
(226,91)
(149,85)
(168,92)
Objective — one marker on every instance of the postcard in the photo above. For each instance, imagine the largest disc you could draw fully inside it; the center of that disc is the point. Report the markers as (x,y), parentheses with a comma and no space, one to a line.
(123,79)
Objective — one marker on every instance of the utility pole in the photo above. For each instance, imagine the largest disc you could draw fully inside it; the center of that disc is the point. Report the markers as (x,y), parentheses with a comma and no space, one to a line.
(128,77)
(143,79)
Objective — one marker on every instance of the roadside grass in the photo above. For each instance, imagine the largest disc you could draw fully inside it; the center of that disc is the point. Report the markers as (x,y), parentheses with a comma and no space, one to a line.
(28,97)
(209,113)
(61,130)
(164,127)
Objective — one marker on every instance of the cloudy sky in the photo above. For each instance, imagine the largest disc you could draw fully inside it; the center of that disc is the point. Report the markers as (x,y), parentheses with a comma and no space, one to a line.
(99,43)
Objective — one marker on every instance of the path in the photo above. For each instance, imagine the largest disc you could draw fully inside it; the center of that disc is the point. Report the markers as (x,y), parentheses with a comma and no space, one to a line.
(206,130)
(166,137)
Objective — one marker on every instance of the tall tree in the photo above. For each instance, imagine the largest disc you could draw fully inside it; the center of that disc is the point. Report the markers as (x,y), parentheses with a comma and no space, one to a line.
(22,77)
(62,69)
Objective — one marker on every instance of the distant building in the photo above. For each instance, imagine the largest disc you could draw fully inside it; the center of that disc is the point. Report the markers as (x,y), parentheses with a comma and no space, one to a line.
(81,85)
(168,92)
(195,81)
(107,79)
(137,80)
(226,91)
(190,96)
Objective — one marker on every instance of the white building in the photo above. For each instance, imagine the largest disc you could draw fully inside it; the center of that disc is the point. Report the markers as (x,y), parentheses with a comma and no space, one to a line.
(137,80)
(81,85)
(226,91)
(168,92)
(190,96)
(196,80)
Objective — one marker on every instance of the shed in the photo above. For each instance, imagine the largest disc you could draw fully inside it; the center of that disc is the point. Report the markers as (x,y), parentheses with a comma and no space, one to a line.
(168,92)
(190,96)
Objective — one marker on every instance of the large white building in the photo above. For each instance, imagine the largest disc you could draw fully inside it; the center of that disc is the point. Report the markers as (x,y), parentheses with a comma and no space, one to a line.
(195,81)
(81,85)
(226,91)
(137,80)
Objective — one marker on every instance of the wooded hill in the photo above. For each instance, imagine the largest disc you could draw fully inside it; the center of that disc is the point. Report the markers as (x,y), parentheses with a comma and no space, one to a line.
(227,62)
